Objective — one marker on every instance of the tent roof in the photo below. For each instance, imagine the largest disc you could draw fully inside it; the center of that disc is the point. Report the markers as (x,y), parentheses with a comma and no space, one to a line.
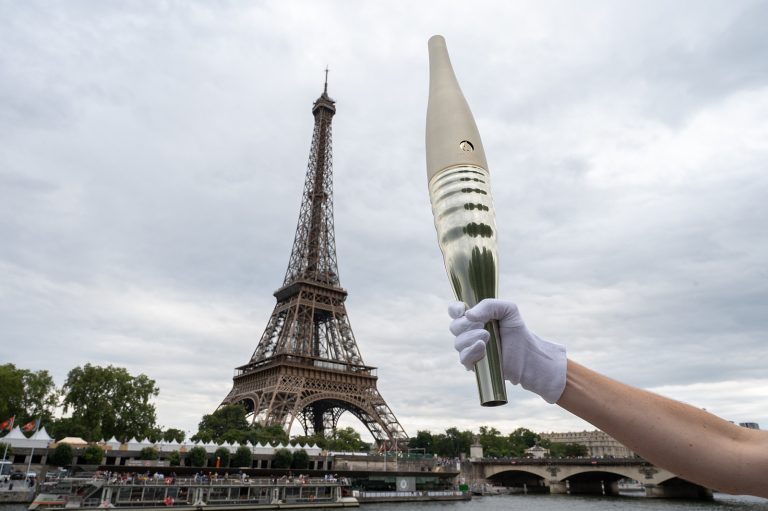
(15,433)
(41,434)
(72,440)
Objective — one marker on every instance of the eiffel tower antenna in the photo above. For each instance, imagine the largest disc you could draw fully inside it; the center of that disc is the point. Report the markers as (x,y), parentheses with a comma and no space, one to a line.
(307,365)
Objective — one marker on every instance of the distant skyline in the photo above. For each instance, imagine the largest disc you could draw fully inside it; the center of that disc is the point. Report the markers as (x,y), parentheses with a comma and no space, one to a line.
(153,156)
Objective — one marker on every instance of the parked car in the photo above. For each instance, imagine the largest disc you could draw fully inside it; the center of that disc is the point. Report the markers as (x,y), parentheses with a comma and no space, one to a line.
(17,476)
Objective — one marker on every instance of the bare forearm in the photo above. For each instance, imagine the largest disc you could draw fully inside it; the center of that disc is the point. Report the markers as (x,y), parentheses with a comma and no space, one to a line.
(693,444)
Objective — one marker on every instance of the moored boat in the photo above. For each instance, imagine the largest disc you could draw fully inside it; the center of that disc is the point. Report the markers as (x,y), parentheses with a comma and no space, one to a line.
(188,494)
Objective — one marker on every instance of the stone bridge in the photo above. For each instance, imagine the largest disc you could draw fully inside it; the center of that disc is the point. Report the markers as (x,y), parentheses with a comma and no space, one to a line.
(579,476)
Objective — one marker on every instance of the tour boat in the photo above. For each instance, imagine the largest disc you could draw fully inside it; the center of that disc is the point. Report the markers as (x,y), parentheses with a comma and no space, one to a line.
(188,494)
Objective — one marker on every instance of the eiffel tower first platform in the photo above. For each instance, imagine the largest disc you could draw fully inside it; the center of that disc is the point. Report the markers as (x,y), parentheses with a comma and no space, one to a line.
(307,365)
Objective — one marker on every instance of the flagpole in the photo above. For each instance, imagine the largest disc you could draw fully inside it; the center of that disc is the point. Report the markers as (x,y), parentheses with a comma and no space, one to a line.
(32,454)
(29,465)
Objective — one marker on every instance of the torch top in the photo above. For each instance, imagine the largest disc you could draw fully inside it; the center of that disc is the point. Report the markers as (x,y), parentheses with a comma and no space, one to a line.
(451,137)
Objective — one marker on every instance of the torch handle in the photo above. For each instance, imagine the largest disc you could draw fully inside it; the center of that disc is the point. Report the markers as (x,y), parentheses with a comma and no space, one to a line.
(490,378)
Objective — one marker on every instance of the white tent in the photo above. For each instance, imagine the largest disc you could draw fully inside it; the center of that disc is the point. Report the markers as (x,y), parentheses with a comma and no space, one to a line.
(17,439)
(170,446)
(263,449)
(42,437)
(74,441)
(113,443)
(134,445)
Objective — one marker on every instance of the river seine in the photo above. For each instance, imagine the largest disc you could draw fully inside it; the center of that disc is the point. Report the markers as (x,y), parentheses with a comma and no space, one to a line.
(722,502)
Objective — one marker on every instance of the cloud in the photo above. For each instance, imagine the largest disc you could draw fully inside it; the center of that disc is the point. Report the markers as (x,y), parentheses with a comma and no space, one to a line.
(154,156)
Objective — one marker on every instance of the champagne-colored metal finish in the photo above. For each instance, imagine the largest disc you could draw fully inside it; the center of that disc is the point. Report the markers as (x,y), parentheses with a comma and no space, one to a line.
(462,206)
(452,137)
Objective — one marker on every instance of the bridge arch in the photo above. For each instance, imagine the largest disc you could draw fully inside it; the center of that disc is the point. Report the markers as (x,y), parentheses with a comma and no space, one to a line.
(595,476)
(520,480)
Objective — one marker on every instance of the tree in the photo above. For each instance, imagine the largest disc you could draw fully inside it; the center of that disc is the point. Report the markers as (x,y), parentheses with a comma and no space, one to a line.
(453,443)
(11,391)
(422,440)
(561,450)
(494,445)
(300,459)
(171,434)
(108,401)
(282,458)
(41,397)
(317,439)
(197,456)
(62,455)
(258,434)
(243,457)
(174,459)
(27,394)
(93,454)
(522,439)
(228,420)
(222,454)
(149,453)
(346,440)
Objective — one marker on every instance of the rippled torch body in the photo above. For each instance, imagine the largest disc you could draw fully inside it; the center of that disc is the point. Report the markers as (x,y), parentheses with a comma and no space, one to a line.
(460,193)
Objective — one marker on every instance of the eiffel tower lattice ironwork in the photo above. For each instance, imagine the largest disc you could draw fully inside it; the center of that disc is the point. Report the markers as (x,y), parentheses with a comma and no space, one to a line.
(307,365)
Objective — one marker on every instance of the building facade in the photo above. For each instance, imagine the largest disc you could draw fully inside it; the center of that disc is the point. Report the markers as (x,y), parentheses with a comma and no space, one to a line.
(598,443)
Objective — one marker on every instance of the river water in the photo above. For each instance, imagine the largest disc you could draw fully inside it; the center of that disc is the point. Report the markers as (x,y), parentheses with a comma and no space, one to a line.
(722,502)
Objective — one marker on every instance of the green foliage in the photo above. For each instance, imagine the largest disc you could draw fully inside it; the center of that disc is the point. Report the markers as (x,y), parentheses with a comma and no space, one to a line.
(11,391)
(422,440)
(282,459)
(68,426)
(229,424)
(243,457)
(27,394)
(61,456)
(222,453)
(93,454)
(273,435)
(174,459)
(494,445)
(154,434)
(149,453)
(453,443)
(345,440)
(316,439)
(197,456)
(560,450)
(228,419)
(171,434)
(300,459)
(520,440)
(108,401)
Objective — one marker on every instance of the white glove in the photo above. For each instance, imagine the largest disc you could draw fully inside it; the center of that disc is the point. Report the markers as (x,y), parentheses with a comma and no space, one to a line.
(537,365)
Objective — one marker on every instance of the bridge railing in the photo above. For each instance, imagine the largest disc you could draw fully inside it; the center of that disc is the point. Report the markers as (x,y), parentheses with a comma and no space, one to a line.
(564,461)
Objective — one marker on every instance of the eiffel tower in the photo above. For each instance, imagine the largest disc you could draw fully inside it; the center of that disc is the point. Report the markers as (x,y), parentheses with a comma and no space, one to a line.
(307,365)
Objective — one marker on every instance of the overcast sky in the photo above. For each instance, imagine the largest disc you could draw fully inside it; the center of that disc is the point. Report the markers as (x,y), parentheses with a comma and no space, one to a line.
(152,158)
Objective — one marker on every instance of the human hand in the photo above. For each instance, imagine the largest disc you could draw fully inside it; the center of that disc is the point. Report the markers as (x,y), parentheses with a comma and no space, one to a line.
(537,365)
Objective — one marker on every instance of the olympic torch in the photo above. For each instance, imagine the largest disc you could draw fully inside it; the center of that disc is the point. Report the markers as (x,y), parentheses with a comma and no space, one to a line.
(460,193)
